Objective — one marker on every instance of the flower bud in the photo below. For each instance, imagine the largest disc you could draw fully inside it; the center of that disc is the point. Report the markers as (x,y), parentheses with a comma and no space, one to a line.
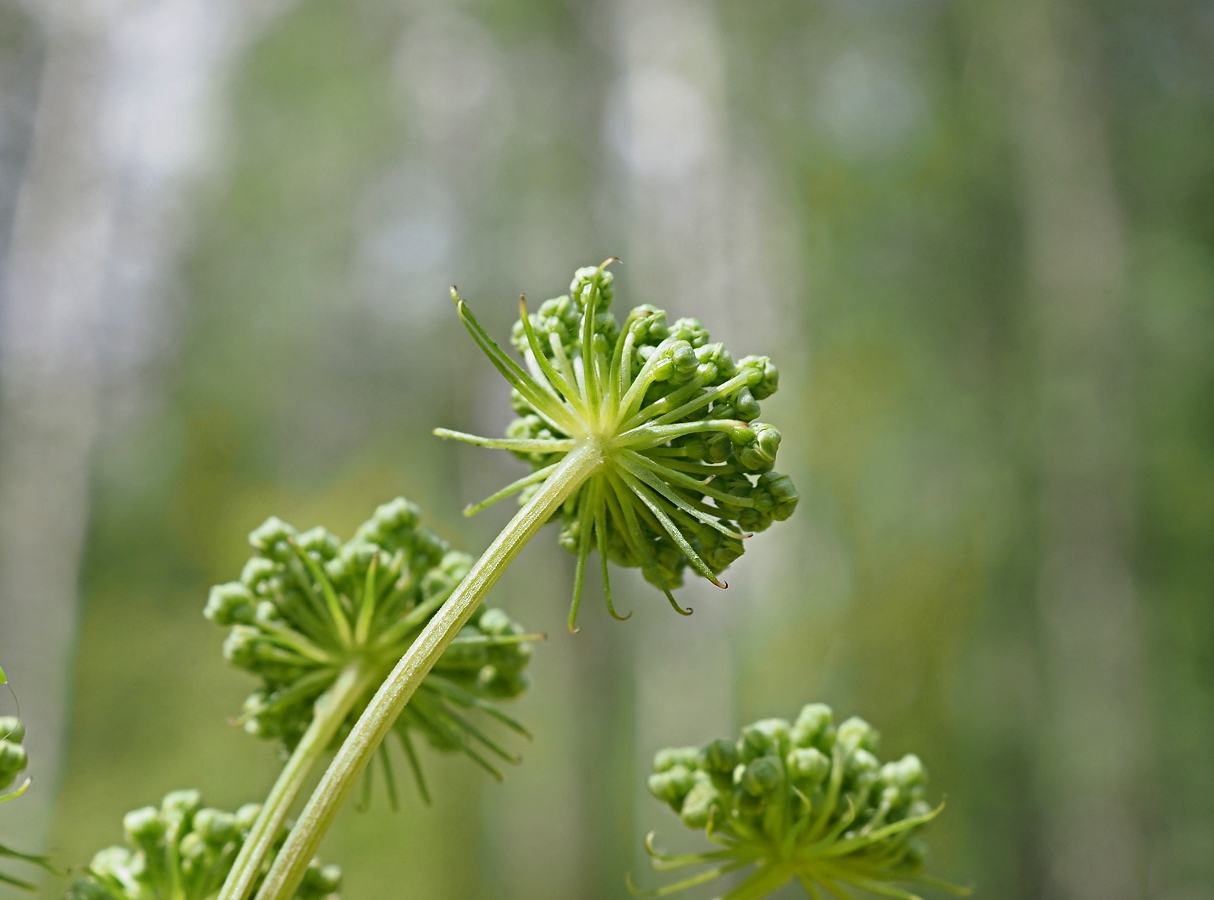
(320,880)
(855,734)
(760,451)
(745,406)
(246,816)
(229,603)
(905,774)
(691,331)
(256,572)
(13,760)
(719,757)
(719,447)
(667,759)
(762,776)
(764,377)
(11,729)
(767,736)
(215,826)
(271,538)
(144,827)
(811,724)
(672,785)
(808,764)
(697,807)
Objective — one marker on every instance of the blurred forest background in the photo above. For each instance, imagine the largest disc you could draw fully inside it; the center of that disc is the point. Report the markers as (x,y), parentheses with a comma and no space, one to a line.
(977,236)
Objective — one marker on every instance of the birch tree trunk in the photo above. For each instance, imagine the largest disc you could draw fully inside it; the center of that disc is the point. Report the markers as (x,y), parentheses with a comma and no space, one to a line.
(1090,742)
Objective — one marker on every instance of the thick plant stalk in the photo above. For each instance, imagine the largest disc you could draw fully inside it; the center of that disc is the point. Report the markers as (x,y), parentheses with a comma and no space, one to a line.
(332,707)
(352,757)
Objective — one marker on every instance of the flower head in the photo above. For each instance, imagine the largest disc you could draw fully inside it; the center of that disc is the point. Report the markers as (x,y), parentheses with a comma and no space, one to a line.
(13,758)
(807,800)
(183,850)
(13,761)
(686,467)
(308,606)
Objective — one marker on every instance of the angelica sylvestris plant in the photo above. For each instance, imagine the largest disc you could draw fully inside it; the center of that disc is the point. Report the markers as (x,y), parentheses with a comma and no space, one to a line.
(684,468)
(644,440)
(807,801)
(13,761)
(183,851)
(321,623)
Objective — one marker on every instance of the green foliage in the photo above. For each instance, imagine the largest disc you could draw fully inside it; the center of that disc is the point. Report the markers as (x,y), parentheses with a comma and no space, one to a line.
(183,851)
(807,800)
(308,606)
(687,467)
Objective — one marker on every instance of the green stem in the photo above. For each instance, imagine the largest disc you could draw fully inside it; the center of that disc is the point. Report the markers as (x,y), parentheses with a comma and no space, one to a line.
(373,725)
(331,709)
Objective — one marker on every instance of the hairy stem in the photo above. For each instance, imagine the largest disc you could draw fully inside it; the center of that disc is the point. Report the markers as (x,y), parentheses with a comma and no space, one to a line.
(373,725)
(331,709)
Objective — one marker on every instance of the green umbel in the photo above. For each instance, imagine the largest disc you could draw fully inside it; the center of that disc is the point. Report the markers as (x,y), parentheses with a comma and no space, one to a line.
(308,606)
(807,800)
(183,851)
(686,467)
(13,761)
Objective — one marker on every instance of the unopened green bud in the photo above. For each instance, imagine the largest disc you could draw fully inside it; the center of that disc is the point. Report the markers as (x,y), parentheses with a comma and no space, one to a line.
(667,759)
(690,330)
(855,734)
(228,604)
(246,816)
(765,737)
(764,376)
(322,880)
(271,539)
(761,451)
(905,774)
(808,764)
(672,785)
(13,760)
(746,407)
(11,729)
(719,757)
(144,827)
(215,826)
(256,571)
(762,776)
(783,493)
(698,804)
(814,720)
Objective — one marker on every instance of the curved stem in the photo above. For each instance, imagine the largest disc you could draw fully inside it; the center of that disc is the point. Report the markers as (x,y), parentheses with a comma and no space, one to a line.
(373,725)
(331,709)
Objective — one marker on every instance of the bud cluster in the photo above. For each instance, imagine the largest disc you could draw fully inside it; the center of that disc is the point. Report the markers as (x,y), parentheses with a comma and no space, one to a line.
(688,466)
(807,800)
(183,851)
(308,606)
(13,759)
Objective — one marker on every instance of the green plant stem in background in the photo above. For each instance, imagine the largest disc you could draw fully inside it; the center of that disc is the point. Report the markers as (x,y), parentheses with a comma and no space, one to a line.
(330,710)
(292,861)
